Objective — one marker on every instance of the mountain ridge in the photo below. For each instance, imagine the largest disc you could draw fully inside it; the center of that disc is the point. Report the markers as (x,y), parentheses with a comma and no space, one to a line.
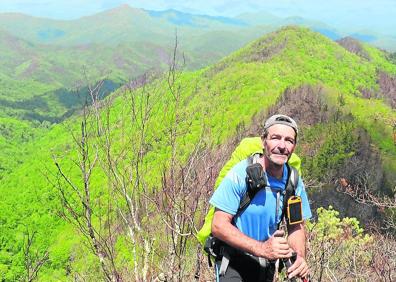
(220,103)
(254,19)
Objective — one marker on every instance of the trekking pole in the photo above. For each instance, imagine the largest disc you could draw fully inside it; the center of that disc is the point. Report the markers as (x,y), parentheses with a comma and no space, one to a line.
(282,226)
(288,261)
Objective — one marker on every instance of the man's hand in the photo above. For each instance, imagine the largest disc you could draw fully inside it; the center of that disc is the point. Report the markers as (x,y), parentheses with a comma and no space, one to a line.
(275,247)
(299,268)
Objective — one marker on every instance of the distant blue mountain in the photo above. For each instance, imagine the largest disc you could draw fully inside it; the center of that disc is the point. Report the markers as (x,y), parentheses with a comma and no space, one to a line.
(329,33)
(363,37)
(50,33)
(180,18)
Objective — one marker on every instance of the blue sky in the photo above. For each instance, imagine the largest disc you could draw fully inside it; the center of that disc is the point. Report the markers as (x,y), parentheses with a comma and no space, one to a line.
(362,13)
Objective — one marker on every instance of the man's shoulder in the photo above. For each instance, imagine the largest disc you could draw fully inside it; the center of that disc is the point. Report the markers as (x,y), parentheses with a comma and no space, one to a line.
(240,167)
(237,173)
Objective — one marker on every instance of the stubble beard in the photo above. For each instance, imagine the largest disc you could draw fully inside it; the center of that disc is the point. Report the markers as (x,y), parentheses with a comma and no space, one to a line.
(278,160)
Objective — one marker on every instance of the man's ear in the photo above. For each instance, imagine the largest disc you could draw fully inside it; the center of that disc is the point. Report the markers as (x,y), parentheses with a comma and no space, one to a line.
(263,141)
(292,150)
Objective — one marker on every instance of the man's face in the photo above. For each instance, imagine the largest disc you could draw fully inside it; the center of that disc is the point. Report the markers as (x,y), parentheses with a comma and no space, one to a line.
(279,143)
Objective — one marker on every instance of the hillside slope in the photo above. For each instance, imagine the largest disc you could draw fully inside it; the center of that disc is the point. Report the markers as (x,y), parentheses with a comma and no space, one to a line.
(47,64)
(205,110)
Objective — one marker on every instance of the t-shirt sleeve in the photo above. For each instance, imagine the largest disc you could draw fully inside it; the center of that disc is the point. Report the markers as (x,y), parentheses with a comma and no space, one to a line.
(300,191)
(229,193)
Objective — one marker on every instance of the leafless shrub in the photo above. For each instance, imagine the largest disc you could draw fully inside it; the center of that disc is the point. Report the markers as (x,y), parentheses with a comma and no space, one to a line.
(130,204)
(79,206)
(354,46)
(305,104)
(383,262)
(33,260)
(387,84)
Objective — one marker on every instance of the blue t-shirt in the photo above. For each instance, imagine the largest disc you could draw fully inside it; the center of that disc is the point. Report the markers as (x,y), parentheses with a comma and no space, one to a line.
(258,219)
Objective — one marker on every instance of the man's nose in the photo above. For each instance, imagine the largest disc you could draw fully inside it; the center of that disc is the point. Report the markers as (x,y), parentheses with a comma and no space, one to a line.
(282,144)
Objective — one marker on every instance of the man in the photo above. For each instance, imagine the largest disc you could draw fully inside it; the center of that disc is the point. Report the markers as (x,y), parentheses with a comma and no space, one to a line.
(253,232)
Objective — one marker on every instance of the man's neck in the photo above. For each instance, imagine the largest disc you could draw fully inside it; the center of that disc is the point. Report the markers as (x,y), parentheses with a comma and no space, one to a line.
(271,168)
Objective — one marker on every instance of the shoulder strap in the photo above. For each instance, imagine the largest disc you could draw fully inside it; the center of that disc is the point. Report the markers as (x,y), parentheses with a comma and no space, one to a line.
(291,185)
(256,179)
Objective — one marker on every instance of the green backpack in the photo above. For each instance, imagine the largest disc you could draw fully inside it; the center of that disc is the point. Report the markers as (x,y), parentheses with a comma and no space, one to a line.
(248,147)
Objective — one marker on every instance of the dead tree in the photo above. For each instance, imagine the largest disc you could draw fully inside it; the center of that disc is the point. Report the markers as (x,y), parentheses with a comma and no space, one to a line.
(361,193)
(144,199)
(127,174)
(33,260)
(79,206)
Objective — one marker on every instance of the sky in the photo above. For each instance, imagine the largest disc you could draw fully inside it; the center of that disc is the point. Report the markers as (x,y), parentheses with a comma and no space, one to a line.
(365,13)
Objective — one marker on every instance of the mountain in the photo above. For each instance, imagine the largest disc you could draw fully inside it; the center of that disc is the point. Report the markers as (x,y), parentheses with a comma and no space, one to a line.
(118,44)
(127,24)
(123,43)
(384,39)
(191,121)
(48,64)
(122,24)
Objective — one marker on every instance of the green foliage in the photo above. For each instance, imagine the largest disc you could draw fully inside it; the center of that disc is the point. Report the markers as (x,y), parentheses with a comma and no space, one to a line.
(15,139)
(338,246)
(381,59)
(214,104)
(332,145)
(392,57)
(330,227)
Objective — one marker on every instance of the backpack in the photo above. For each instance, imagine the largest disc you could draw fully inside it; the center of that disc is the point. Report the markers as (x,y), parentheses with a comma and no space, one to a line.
(246,148)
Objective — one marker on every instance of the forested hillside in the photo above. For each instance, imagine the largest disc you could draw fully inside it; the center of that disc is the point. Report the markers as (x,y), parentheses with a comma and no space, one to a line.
(117,192)
(48,64)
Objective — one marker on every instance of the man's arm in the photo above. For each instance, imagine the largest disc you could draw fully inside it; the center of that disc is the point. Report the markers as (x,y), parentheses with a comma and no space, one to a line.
(297,238)
(296,241)
(275,247)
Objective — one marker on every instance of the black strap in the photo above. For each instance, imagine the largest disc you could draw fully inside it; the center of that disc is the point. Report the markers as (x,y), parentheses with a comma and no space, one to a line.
(256,179)
(292,182)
